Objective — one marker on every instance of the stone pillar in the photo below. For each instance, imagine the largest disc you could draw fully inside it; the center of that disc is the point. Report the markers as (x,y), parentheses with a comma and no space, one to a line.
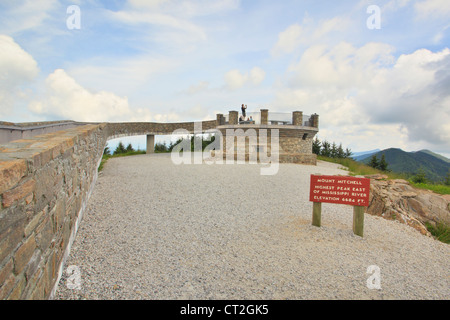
(297,118)
(150,143)
(315,120)
(264,116)
(219,119)
(233,117)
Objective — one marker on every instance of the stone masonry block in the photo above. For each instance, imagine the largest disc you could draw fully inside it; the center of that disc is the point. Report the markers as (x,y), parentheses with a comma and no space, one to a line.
(11,172)
(18,193)
(24,254)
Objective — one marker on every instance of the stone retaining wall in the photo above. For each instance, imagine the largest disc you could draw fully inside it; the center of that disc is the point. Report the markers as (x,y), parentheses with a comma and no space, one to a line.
(45,183)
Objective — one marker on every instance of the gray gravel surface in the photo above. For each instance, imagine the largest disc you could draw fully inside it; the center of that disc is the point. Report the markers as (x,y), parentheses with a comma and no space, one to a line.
(155,230)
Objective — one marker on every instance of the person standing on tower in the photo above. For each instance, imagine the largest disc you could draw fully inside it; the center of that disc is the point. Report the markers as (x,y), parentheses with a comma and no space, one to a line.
(243,109)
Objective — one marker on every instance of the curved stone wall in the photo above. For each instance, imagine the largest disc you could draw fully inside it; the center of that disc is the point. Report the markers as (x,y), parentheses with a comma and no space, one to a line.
(150,128)
(46,182)
(295,142)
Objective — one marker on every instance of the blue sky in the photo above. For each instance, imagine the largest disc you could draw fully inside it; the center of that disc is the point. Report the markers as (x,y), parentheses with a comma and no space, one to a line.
(167,61)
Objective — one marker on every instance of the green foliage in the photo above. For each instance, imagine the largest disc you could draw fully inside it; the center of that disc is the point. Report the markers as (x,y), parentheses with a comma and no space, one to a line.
(333,151)
(447,179)
(420,177)
(172,145)
(340,152)
(317,145)
(383,165)
(326,149)
(102,163)
(354,167)
(409,163)
(120,149)
(203,141)
(161,147)
(348,153)
(330,150)
(437,188)
(374,161)
(441,231)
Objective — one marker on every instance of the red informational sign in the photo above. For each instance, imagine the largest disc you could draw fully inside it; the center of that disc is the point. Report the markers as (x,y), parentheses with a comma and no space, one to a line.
(340,189)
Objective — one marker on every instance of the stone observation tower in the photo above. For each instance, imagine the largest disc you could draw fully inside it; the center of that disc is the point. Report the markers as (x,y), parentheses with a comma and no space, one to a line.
(294,135)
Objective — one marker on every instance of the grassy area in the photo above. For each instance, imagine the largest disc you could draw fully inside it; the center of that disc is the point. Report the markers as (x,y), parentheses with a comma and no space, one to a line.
(126,154)
(357,168)
(441,232)
(438,188)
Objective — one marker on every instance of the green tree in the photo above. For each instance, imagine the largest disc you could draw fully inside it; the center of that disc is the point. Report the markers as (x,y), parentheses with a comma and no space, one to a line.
(383,165)
(316,146)
(326,149)
(374,161)
(333,151)
(340,152)
(447,179)
(420,176)
(195,138)
(173,144)
(120,148)
(161,147)
(348,153)
(107,151)
(129,148)
(207,141)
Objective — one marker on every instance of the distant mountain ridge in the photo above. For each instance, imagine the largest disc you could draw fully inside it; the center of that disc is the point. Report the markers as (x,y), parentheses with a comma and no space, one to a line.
(364,154)
(434,165)
(439,156)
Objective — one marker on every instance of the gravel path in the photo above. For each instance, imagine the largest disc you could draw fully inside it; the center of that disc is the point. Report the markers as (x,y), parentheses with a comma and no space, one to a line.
(154,230)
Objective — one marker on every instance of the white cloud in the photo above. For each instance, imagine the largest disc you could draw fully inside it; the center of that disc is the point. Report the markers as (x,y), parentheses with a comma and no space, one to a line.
(342,66)
(26,14)
(121,75)
(172,22)
(66,99)
(187,8)
(17,68)
(146,3)
(199,87)
(352,88)
(288,40)
(257,75)
(234,79)
(308,33)
(432,9)
(394,5)
(168,22)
